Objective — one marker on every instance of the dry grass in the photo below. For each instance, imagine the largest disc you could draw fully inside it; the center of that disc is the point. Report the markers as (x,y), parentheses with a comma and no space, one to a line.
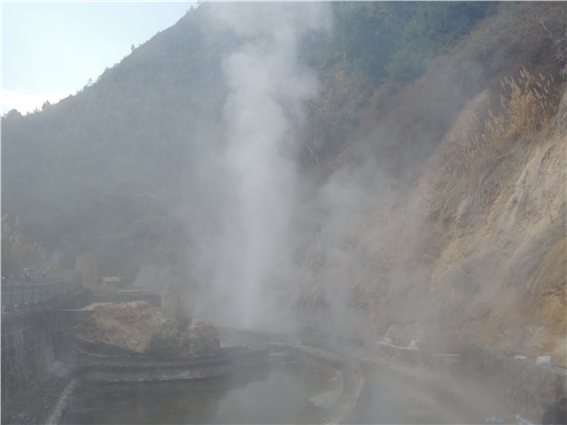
(528,102)
(479,160)
(528,107)
(182,308)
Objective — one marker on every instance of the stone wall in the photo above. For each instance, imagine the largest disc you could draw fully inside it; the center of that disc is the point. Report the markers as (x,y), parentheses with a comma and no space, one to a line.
(27,348)
(529,388)
(30,335)
(125,297)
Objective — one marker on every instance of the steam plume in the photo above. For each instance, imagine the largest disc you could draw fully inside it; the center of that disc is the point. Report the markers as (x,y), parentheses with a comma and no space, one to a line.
(263,75)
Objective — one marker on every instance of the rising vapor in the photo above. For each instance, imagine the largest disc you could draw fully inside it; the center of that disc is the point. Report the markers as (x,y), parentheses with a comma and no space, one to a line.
(265,80)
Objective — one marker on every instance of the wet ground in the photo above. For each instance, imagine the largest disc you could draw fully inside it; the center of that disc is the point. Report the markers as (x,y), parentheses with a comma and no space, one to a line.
(413,395)
(390,403)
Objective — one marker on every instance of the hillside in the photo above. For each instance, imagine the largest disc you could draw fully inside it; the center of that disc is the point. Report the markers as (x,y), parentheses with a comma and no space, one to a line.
(447,267)
(461,240)
(153,124)
(381,164)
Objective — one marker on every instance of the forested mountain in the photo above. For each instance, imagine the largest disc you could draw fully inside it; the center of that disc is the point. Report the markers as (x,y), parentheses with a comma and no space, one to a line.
(97,169)
(81,170)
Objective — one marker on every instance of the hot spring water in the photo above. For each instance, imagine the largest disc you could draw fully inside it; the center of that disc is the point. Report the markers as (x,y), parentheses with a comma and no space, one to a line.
(264,394)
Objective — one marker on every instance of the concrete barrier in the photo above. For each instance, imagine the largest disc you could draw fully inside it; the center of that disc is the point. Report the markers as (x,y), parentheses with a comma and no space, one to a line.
(522,386)
(108,368)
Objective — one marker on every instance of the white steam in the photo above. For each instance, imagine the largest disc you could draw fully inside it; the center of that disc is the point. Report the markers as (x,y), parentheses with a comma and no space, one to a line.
(265,80)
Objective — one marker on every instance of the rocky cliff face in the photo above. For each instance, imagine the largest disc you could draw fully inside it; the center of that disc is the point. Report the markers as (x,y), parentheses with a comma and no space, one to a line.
(501,263)
(454,256)
(486,265)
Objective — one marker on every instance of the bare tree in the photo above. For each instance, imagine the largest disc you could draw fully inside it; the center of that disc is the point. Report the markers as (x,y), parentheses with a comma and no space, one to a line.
(555,27)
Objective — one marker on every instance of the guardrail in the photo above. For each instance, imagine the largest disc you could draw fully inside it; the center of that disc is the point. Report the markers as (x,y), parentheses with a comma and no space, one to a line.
(45,289)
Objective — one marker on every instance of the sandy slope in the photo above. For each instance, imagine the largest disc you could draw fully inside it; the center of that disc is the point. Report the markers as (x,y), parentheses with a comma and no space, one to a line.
(486,266)
(502,262)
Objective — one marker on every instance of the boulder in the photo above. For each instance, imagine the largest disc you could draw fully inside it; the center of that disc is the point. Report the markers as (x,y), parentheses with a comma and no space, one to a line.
(392,337)
(125,328)
(326,400)
(201,338)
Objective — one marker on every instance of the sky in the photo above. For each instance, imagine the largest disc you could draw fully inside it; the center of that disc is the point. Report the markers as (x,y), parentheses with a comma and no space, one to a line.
(51,49)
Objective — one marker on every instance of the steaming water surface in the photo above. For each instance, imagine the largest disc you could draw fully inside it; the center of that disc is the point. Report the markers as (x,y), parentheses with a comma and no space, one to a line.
(262,395)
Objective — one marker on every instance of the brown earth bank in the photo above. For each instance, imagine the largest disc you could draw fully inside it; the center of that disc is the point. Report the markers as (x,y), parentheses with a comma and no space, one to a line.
(472,253)
(461,236)
(500,264)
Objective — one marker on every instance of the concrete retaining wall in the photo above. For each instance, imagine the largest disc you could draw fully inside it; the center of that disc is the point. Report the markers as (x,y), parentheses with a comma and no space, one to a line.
(116,368)
(30,335)
(27,349)
(29,339)
(526,388)
(125,297)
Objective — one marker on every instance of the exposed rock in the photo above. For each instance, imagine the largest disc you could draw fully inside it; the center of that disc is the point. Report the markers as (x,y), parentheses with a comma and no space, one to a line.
(124,328)
(413,345)
(326,400)
(392,336)
(201,338)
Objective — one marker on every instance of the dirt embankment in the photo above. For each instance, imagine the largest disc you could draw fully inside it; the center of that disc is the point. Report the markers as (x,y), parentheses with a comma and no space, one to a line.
(465,244)
(480,257)
(501,262)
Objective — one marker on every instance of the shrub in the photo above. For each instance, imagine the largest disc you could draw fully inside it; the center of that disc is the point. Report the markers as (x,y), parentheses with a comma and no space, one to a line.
(19,253)
(527,107)
(477,159)
(165,341)
(182,312)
